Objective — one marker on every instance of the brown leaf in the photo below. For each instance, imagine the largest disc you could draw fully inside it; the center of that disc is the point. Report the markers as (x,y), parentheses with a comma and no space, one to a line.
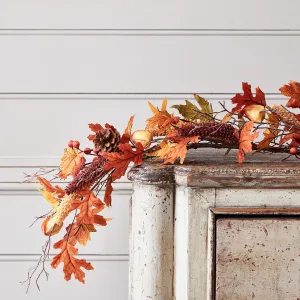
(180,150)
(108,191)
(120,161)
(71,162)
(292,90)
(246,139)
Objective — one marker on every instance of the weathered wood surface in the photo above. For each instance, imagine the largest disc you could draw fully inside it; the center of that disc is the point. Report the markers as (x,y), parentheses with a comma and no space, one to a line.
(151,243)
(210,168)
(209,187)
(257,258)
(191,229)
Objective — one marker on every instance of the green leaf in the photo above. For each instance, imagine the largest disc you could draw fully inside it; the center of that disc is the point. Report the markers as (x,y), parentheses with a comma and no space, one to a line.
(205,107)
(189,110)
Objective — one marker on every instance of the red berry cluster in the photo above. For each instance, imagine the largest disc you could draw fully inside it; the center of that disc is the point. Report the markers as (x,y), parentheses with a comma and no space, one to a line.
(225,133)
(73,144)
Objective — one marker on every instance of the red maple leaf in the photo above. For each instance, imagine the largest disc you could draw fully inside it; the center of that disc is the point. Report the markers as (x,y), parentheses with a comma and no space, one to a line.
(292,90)
(247,99)
(121,161)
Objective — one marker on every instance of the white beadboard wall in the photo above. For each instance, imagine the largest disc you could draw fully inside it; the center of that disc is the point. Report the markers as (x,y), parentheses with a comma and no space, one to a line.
(64,64)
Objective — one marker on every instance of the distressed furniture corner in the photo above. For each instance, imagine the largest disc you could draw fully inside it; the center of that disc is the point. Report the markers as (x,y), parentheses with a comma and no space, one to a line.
(213,229)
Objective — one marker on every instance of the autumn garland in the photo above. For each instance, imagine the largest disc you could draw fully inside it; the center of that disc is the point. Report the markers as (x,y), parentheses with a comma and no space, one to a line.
(166,137)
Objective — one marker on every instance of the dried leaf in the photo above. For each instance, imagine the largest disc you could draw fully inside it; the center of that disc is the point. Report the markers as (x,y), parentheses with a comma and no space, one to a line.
(247,99)
(268,138)
(127,133)
(154,110)
(71,162)
(72,265)
(206,108)
(292,90)
(59,192)
(188,110)
(89,207)
(108,191)
(120,161)
(246,139)
(50,197)
(180,150)
(227,118)
(164,148)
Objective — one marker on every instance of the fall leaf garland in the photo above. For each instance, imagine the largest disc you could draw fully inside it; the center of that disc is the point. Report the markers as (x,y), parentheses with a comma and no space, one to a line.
(166,137)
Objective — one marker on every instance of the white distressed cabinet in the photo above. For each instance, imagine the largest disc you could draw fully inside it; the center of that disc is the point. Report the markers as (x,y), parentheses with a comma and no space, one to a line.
(213,229)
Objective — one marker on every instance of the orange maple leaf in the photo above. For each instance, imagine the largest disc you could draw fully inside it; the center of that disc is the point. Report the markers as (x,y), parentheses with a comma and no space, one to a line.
(295,137)
(108,191)
(246,139)
(71,162)
(242,101)
(180,150)
(292,90)
(162,120)
(72,265)
(121,161)
(127,133)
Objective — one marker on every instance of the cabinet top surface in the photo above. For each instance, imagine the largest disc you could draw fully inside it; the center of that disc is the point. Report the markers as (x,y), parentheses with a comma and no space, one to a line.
(212,168)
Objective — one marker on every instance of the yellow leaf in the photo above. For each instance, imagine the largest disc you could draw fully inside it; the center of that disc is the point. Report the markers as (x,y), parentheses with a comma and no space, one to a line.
(71,162)
(54,202)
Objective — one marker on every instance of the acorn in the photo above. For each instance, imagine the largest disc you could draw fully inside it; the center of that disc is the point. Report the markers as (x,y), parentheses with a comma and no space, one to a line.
(255,112)
(144,137)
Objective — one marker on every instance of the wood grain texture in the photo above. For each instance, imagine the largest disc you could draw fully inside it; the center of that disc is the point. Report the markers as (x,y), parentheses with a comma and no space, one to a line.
(152,242)
(169,14)
(145,64)
(257,259)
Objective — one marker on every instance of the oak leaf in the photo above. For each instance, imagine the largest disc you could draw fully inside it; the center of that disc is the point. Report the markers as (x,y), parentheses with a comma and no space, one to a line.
(89,205)
(292,90)
(72,265)
(120,161)
(71,163)
(247,99)
(246,139)
(180,150)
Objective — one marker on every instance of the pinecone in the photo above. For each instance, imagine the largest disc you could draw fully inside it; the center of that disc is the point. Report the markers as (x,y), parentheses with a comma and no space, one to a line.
(285,116)
(88,176)
(107,139)
(219,132)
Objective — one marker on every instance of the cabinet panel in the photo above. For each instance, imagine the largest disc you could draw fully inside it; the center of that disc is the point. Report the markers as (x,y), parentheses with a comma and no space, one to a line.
(257,258)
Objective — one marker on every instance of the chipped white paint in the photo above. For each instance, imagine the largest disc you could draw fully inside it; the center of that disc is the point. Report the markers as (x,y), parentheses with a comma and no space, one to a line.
(191,228)
(152,242)
(257,258)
